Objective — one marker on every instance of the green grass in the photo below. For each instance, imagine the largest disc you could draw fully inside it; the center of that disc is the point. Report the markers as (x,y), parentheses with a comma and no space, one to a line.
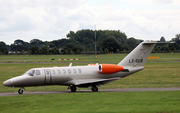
(162,72)
(155,74)
(84,58)
(47,58)
(104,102)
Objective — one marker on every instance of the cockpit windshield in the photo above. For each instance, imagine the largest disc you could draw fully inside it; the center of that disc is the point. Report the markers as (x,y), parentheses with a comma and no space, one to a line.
(30,72)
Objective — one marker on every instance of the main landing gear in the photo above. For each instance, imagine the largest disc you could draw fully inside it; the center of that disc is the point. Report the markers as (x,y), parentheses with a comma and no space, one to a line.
(94,88)
(73,88)
(20,91)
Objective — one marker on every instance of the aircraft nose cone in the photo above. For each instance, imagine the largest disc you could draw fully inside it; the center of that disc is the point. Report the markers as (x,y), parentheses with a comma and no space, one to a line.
(7,83)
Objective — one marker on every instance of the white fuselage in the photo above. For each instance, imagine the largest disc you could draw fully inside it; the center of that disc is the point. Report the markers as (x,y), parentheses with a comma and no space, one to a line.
(64,76)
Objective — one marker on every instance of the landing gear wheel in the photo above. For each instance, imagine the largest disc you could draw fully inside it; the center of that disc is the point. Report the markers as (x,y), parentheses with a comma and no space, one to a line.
(94,89)
(20,91)
(73,88)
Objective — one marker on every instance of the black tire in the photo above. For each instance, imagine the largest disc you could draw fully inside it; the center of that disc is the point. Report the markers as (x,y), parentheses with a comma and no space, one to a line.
(20,91)
(94,89)
(73,88)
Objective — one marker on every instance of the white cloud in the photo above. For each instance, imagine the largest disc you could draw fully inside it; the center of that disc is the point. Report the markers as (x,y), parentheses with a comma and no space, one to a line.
(162,1)
(53,19)
(174,2)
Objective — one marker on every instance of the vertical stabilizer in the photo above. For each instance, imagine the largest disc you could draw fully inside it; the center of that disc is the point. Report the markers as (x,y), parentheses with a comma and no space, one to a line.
(139,55)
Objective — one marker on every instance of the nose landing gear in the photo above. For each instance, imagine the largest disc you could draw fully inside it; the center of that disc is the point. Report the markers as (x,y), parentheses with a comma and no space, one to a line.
(72,88)
(20,91)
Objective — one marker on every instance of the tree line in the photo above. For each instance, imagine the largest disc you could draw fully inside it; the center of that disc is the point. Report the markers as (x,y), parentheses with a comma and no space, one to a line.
(83,41)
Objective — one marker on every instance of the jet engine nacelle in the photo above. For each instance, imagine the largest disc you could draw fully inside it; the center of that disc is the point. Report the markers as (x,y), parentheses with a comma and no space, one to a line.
(109,68)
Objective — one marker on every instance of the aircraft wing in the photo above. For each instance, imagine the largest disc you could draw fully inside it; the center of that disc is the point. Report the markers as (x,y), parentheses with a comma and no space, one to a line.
(89,82)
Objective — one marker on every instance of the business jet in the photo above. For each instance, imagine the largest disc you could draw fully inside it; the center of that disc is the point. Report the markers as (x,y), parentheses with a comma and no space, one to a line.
(92,75)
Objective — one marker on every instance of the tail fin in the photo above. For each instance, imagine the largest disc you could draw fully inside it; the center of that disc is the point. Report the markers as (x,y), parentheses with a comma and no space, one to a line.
(139,55)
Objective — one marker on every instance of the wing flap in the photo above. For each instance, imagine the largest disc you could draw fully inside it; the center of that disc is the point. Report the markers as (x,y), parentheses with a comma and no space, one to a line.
(89,82)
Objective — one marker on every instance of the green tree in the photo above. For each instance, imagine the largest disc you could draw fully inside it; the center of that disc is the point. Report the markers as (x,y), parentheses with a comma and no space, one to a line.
(111,44)
(5,52)
(18,42)
(167,49)
(55,50)
(131,43)
(44,50)
(117,50)
(156,49)
(118,35)
(87,40)
(23,52)
(124,50)
(36,42)
(3,47)
(66,51)
(78,49)
(106,50)
(19,45)
(173,46)
(16,48)
(71,34)
(101,50)
(162,39)
(70,45)
(177,39)
(71,51)
(34,50)
(51,45)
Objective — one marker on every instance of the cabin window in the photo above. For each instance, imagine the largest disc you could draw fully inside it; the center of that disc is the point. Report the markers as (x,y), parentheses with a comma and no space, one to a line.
(47,72)
(37,72)
(64,72)
(58,71)
(31,72)
(53,72)
(74,70)
(69,71)
(79,70)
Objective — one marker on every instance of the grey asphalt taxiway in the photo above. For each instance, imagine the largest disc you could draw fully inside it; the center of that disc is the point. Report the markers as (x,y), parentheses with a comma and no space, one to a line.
(100,90)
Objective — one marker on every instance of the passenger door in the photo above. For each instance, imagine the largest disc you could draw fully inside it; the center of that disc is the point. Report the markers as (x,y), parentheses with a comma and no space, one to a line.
(48,76)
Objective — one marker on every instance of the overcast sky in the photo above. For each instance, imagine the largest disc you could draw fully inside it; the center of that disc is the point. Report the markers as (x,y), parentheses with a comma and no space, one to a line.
(49,20)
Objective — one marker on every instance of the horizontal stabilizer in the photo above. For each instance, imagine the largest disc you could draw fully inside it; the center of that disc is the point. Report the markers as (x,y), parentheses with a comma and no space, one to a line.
(125,70)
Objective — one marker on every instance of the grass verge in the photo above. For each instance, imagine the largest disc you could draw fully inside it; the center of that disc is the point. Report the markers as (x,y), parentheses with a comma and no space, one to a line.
(106,102)
(84,58)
